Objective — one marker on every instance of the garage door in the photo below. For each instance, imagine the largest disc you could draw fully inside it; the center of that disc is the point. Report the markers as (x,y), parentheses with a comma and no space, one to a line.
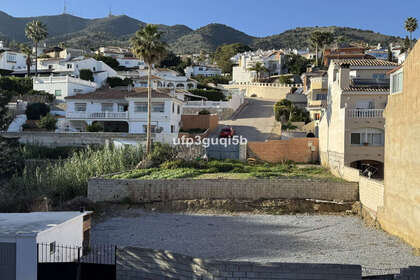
(8,261)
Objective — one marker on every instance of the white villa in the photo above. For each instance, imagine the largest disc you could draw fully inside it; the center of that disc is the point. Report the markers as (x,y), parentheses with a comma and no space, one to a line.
(131,62)
(126,111)
(161,78)
(10,60)
(114,52)
(206,71)
(63,86)
(273,60)
(57,66)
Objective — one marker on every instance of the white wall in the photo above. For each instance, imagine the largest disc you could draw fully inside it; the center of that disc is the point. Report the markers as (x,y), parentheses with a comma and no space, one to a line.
(67,85)
(18,65)
(130,62)
(26,258)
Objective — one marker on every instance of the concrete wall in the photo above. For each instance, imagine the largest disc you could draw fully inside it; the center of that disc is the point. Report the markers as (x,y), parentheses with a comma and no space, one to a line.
(199,121)
(136,263)
(295,149)
(109,190)
(51,139)
(222,113)
(266,91)
(8,261)
(371,194)
(401,213)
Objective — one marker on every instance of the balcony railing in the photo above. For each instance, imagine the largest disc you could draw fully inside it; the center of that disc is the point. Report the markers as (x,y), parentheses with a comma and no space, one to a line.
(98,115)
(365,113)
(371,83)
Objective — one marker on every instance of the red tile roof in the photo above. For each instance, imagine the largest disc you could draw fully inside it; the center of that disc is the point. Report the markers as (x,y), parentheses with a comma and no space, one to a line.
(365,62)
(121,94)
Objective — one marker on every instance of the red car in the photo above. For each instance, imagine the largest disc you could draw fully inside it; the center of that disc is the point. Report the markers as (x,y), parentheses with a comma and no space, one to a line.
(227,132)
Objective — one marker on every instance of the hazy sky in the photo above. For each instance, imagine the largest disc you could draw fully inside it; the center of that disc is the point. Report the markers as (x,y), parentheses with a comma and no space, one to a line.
(255,17)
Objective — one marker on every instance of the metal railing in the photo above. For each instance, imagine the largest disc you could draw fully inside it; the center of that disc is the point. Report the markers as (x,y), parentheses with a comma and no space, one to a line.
(379,83)
(97,115)
(365,113)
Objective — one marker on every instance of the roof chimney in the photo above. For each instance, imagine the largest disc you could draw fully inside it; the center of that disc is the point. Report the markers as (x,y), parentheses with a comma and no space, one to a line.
(345,76)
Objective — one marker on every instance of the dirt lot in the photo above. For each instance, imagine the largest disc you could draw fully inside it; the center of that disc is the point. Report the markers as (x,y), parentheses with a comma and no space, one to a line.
(265,238)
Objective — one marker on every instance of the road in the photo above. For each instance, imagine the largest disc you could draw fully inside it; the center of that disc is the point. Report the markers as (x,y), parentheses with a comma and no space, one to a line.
(255,122)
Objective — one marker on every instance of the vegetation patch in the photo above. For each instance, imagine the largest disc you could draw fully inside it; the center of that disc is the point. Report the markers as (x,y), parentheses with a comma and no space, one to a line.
(228,169)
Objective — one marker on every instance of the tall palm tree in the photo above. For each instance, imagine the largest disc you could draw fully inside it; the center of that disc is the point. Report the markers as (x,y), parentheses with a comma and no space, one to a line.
(411,25)
(146,44)
(259,68)
(36,31)
(28,52)
(316,40)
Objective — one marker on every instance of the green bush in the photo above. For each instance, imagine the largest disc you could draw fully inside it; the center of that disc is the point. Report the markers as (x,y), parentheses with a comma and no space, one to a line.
(161,153)
(41,152)
(204,112)
(95,127)
(35,111)
(48,122)
(118,82)
(211,94)
(86,74)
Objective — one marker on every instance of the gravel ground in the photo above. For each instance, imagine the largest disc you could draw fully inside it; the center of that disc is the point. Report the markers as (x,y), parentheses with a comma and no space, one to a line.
(260,238)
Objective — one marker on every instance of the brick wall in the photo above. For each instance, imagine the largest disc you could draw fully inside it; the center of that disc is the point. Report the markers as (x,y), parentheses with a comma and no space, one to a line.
(296,149)
(199,121)
(109,190)
(371,193)
(136,263)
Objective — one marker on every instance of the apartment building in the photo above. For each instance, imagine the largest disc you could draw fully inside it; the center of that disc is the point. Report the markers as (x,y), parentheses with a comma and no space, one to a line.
(11,60)
(317,95)
(351,130)
(125,110)
(401,211)
(344,53)
(206,71)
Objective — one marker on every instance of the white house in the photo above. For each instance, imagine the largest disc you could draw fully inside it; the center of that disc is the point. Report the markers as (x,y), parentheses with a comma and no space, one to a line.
(20,233)
(63,86)
(126,111)
(101,71)
(131,62)
(10,60)
(206,71)
(114,52)
(273,61)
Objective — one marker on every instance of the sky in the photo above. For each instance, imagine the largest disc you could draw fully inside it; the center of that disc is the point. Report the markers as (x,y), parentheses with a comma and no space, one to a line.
(254,17)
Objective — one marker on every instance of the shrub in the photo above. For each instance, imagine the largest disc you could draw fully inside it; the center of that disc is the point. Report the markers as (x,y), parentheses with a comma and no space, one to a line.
(161,153)
(95,127)
(86,74)
(41,152)
(118,82)
(211,94)
(68,179)
(48,122)
(204,112)
(35,111)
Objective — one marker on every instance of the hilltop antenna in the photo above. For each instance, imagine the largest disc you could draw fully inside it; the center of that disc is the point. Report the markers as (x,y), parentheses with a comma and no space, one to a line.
(110,11)
(65,8)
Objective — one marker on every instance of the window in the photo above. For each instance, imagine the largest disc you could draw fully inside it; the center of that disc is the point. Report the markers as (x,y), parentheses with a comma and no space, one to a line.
(122,107)
(58,92)
(52,247)
(140,107)
(80,107)
(153,128)
(321,97)
(11,58)
(158,107)
(397,80)
(179,109)
(173,107)
(379,76)
(107,107)
(172,129)
(69,66)
(368,136)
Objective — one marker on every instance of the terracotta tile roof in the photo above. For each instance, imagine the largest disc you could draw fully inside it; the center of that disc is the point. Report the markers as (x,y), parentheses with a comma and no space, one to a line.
(395,69)
(121,94)
(365,89)
(365,62)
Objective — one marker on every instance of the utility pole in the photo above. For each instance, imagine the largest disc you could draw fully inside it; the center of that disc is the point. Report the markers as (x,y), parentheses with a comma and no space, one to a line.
(65,8)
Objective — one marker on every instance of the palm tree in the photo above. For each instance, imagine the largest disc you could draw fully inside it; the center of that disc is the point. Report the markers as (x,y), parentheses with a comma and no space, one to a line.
(411,25)
(316,40)
(36,31)
(28,52)
(147,45)
(259,68)
(284,110)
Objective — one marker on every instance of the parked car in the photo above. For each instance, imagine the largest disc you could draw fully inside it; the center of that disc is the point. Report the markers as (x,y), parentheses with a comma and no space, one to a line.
(227,132)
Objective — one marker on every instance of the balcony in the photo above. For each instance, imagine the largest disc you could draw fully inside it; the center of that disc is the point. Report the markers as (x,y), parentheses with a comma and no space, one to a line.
(370,83)
(98,115)
(365,113)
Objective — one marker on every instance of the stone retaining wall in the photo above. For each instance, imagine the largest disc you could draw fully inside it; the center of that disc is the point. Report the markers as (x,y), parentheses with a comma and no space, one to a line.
(143,191)
(136,263)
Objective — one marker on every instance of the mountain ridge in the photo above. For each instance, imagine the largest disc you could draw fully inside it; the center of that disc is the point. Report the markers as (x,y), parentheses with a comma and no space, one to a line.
(116,30)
